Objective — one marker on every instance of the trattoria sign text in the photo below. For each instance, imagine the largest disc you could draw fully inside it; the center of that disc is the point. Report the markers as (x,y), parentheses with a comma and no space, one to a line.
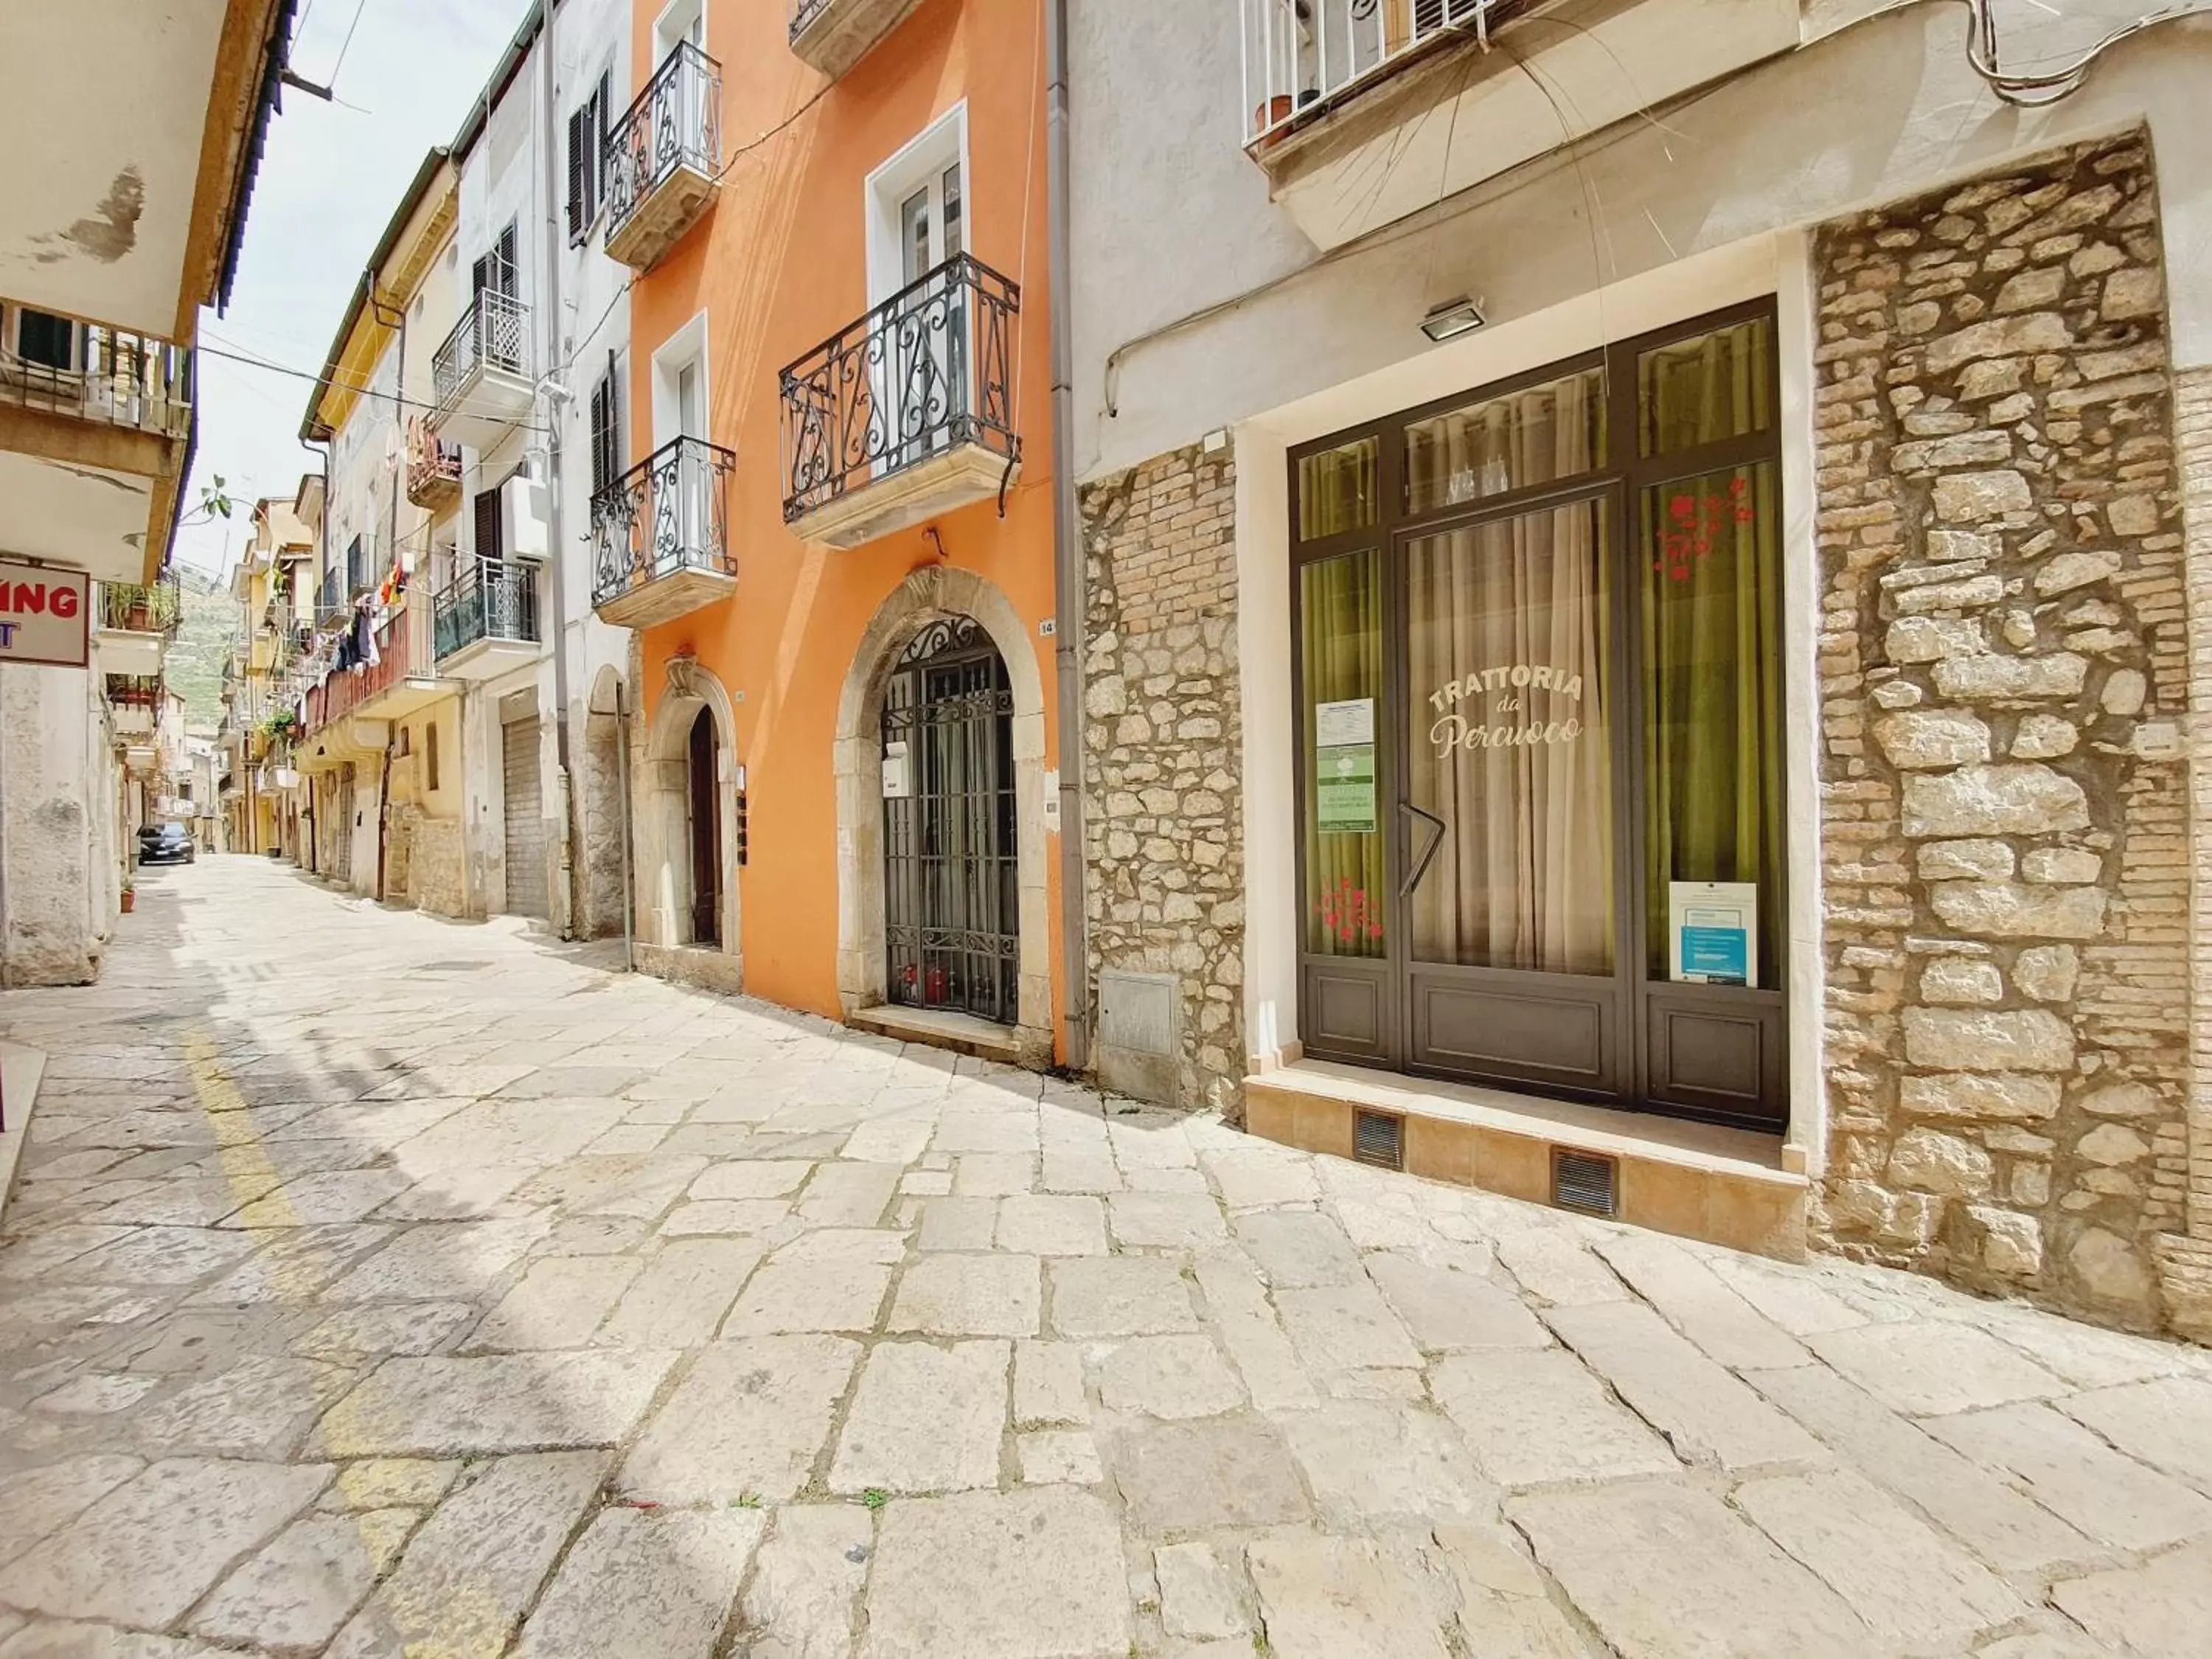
(1506,722)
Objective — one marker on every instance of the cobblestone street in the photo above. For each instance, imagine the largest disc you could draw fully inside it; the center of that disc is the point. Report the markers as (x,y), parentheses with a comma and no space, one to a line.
(375,1285)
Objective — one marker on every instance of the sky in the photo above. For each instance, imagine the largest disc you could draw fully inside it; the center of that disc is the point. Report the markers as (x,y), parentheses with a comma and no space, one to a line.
(330,177)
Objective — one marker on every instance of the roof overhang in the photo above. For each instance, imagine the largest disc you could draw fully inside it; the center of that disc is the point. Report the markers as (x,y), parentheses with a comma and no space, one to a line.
(136,129)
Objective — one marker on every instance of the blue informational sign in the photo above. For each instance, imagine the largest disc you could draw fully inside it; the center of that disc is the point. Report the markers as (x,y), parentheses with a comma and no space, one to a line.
(1718,956)
(1715,933)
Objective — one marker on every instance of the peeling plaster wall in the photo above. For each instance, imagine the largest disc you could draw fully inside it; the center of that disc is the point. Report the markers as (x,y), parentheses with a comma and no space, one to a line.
(60,797)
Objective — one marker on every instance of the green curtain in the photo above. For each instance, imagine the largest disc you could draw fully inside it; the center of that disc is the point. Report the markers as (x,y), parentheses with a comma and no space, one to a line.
(1712,689)
(1338,490)
(1712,577)
(1341,609)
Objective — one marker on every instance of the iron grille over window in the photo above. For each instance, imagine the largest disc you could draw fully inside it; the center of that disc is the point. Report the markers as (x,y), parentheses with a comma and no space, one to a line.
(490,599)
(665,514)
(675,122)
(925,372)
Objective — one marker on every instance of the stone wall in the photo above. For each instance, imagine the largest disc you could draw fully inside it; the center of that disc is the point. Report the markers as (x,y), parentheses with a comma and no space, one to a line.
(1162,763)
(434,865)
(2003,671)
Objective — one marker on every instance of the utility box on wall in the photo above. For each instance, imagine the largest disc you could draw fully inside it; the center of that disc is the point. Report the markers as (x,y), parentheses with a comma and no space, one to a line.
(1139,1037)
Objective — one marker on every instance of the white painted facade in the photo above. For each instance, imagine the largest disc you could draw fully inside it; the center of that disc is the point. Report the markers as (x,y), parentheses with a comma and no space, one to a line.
(513,171)
(1201,305)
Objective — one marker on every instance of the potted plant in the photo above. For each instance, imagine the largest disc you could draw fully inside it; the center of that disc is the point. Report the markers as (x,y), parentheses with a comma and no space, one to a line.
(129,897)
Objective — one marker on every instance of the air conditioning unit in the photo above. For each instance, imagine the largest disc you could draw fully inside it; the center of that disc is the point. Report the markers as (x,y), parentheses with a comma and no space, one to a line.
(524,509)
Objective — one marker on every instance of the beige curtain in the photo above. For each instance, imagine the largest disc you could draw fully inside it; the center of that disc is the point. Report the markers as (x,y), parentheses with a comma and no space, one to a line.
(1520,774)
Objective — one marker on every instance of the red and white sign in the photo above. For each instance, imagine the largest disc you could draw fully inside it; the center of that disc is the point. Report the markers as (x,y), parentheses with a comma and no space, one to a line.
(43,615)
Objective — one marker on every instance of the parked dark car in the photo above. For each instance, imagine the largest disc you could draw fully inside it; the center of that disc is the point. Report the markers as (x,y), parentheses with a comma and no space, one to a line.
(166,843)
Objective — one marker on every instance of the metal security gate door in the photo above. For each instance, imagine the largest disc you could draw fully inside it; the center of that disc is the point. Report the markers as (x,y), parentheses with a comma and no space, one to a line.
(950,904)
(525,819)
(342,828)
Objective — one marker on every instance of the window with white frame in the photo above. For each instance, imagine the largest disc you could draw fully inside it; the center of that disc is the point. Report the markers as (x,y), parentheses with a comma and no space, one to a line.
(916,206)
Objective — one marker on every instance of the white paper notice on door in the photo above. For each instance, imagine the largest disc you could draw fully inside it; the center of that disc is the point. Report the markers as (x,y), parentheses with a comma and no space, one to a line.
(1342,725)
(1713,930)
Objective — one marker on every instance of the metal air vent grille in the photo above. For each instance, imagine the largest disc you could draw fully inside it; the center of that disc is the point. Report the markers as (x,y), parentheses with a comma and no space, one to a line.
(1379,1139)
(1585,1181)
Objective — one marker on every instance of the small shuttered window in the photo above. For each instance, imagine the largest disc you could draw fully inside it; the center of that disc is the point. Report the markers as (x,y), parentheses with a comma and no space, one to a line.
(587,147)
(606,429)
(489,541)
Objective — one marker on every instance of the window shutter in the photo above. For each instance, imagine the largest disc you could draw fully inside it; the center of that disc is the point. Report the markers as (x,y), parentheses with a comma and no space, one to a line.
(578,137)
(602,115)
(487,526)
(618,456)
(600,476)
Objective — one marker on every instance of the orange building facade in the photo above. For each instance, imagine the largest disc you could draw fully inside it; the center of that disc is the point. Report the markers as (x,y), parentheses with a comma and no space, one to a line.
(832,533)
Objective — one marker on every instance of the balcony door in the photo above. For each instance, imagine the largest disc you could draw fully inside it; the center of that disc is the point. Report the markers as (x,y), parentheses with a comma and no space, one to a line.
(918,352)
(1541,752)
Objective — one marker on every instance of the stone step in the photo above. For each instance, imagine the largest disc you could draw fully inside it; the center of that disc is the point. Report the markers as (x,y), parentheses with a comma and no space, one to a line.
(1696,1181)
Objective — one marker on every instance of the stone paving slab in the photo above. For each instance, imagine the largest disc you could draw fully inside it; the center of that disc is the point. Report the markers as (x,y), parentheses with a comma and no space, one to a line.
(470,1302)
(519,1402)
(148,1550)
(645,1582)
(944,1565)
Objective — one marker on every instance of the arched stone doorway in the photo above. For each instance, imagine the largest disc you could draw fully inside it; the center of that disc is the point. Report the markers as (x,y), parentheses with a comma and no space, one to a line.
(688,914)
(951,626)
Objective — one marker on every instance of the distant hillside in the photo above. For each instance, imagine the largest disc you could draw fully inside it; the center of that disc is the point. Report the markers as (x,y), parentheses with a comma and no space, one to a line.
(195,663)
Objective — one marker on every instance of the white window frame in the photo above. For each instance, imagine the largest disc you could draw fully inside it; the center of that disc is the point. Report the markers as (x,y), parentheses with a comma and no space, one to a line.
(673,23)
(922,159)
(684,349)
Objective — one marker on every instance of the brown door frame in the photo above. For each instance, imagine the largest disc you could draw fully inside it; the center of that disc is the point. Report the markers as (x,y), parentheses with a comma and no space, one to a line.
(702,819)
(1645,1010)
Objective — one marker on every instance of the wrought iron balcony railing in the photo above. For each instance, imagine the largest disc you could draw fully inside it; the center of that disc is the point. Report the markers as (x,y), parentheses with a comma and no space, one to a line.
(403,653)
(925,371)
(674,124)
(494,332)
(665,515)
(134,691)
(155,608)
(488,600)
(1304,57)
(107,376)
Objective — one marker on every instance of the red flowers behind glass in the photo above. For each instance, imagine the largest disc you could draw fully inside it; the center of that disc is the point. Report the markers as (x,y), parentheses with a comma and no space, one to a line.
(1348,913)
(1695,522)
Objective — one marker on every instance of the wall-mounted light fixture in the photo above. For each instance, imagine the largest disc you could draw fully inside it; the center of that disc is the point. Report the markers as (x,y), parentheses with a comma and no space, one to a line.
(1453,319)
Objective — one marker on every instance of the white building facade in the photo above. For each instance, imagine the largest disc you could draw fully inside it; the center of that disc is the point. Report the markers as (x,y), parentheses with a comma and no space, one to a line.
(542,322)
(1641,575)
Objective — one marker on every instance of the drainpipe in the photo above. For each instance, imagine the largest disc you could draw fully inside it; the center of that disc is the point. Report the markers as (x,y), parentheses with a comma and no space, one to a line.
(314,860)
(555,400)
(1067,584)
(622,792)
(399,423)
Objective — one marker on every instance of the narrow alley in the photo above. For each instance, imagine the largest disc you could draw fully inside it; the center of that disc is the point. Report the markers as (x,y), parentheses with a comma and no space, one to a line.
(375,1284)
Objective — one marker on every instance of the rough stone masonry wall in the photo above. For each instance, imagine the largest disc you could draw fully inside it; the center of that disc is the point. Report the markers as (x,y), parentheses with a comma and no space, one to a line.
(1162,766)
(2003,671)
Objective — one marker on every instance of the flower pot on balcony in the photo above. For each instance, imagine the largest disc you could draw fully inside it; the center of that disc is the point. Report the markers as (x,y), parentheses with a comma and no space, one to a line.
(1267,120)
